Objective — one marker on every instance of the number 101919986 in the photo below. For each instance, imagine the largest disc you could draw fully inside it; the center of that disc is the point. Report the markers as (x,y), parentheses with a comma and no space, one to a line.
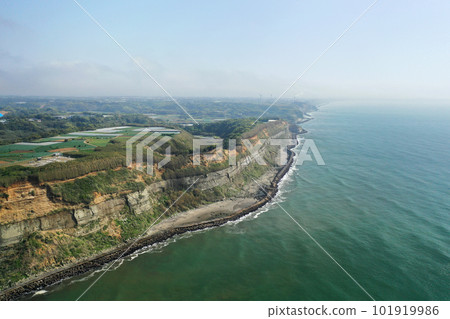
(405,310)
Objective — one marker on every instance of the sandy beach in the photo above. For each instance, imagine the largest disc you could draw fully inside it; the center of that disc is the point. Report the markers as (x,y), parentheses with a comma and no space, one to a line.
(206,216)
(202,214)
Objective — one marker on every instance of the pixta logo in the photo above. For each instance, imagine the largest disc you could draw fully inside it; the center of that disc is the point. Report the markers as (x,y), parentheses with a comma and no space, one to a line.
(151,142)
(256,150)
(156,140)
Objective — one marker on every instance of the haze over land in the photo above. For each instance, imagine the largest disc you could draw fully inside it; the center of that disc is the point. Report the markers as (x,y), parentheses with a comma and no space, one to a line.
(100,165)
(399,49)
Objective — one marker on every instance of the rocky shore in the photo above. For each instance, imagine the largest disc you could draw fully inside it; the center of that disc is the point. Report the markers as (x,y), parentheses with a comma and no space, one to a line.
(122,251)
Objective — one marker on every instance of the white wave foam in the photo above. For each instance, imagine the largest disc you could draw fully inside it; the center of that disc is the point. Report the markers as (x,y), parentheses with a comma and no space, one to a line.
(40,292)
(281,194)
(158,247)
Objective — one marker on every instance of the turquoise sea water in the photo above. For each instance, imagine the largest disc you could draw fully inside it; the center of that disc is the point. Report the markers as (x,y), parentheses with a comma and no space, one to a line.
(380,207)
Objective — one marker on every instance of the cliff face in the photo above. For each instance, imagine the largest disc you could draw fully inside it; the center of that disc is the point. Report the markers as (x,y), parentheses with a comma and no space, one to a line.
(12,233)
(44,228)
(57,216)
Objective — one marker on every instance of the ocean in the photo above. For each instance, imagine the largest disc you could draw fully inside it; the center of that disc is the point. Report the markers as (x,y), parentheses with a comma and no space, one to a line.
(380,207)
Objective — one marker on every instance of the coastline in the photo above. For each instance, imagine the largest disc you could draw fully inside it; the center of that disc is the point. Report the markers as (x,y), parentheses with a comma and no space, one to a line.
(156,235)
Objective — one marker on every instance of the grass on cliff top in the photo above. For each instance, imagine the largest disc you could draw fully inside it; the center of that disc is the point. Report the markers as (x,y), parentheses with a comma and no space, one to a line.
(110,153)
(44,251)
(40,252)
(83,190)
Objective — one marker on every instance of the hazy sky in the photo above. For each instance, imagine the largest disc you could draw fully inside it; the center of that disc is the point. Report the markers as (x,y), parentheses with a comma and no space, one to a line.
(399,49)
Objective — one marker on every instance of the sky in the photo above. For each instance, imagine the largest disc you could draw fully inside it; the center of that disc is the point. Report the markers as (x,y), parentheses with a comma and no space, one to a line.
(400,49)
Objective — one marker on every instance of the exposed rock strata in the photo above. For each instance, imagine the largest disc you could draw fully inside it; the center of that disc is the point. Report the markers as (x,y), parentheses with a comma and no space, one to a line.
(136,202)
(127,249)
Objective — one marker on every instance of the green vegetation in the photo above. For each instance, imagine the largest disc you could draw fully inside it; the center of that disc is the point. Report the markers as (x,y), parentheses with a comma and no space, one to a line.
(98,168)
(253,171)
(112,155)
(109,157)
(134,226)
(225,129)
(13,174)
(45,117)
(83,190)
(17,152)
(98,141)
(80,167)
(30,122)
(40,251)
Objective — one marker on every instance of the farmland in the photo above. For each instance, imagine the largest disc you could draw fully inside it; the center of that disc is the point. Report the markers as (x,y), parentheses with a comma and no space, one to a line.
(30,153)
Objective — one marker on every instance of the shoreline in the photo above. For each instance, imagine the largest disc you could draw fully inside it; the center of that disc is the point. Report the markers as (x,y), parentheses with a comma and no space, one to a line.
(96,262)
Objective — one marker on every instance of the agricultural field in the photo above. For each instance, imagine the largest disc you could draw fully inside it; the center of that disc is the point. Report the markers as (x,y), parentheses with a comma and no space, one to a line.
(29,153)
(22,153)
